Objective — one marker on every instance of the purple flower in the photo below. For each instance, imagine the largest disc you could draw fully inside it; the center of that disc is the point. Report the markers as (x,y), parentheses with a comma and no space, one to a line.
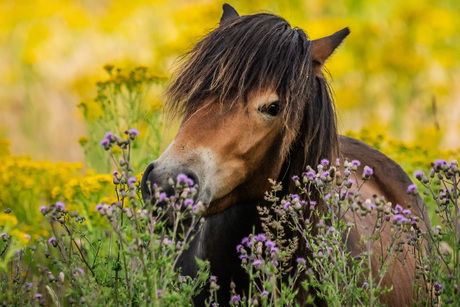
(355,163)
(365,285)
(188,202)
(235,299)
(273,250)
(245,240)
(440,163)
(419,175)
(398,208)
(4,236)
(27,236)
(159,292)
(162,197)
(311,175)
(98,207)
(312,203)
(295,178)
(368,171)
(301,260)
(438,287)
(52,241)
(213,279)
(182,178)
(43,209)
(60,205)
(28,285)
(286,205)
(257,262)
(80,271)
(399,218)
(412,189)
(265,293)
(325,162)
(108,136)
(294,196)
(242,257)
(239,247)
(406,211)
(133,132)
(260,237)
(115,173)
(38,295)
(270,243)
(349,182)
(189,182)
(132,180)
(104,143)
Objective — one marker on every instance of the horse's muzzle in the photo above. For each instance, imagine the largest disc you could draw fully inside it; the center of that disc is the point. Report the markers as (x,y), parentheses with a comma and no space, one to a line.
(157,176)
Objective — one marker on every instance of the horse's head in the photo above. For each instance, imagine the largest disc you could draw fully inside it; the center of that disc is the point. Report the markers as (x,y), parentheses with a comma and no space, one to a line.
(255,105)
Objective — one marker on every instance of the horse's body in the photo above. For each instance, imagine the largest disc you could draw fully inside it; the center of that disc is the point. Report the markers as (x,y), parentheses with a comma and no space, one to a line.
(222,232)
(256,106)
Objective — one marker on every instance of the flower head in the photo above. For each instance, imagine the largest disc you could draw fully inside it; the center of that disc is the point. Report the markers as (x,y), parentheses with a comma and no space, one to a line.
(412,189)
(301,260)
(60,205)
(133,132)
(235,299)
(43,209)
(52,241)
(105,143)
(325,162)
(260,237)
(182,178)
(257,262)
(132,180)
(188,202)
(368,171)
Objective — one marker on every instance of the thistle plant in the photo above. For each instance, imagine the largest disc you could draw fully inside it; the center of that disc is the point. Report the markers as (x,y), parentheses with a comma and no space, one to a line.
(129,262)
(337,276)
(439,268)
(127,98)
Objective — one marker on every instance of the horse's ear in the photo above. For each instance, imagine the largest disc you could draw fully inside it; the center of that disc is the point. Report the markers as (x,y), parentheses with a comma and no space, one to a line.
(321,49)
(229,14)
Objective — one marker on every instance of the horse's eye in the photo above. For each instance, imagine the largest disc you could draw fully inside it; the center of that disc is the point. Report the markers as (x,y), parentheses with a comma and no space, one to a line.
(273,109)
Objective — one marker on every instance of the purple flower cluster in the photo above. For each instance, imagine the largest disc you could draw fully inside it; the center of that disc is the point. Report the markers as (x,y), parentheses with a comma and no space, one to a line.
(412,190)
(108,139)
(184,179)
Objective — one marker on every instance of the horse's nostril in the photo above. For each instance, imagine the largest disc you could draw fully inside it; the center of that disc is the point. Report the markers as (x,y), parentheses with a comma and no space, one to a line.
(146,185)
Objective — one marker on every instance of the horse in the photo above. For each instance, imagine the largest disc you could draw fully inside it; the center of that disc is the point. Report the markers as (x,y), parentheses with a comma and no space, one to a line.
(256,105)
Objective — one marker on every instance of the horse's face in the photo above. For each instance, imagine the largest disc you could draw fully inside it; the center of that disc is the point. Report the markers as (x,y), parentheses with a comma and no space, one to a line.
(231,148)
(228,152)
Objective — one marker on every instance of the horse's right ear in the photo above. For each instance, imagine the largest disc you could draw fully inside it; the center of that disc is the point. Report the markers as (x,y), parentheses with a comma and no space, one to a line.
(322,49)
(229,14)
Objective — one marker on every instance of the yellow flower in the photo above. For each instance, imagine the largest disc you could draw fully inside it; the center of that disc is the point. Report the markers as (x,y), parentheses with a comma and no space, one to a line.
(83,140)
(8,219)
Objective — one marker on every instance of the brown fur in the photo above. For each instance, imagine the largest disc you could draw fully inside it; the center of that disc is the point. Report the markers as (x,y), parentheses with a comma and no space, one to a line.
(220,88)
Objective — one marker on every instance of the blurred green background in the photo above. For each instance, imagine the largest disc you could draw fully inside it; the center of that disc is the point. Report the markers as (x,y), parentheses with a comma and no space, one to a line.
(397,73)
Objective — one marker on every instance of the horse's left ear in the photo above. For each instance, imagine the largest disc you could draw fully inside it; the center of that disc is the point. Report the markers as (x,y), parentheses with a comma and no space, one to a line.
(229,14)
(321,49)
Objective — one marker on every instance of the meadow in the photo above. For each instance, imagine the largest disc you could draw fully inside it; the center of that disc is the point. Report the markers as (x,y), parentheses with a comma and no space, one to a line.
(77,232)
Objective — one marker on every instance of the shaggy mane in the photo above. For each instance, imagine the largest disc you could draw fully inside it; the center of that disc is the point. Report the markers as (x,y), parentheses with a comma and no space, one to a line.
(255,53)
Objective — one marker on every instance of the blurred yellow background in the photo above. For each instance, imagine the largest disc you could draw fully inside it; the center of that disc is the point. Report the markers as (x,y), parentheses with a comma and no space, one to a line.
(397,73)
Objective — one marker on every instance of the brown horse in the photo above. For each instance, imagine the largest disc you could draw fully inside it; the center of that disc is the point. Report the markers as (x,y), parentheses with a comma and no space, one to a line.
(256,105)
